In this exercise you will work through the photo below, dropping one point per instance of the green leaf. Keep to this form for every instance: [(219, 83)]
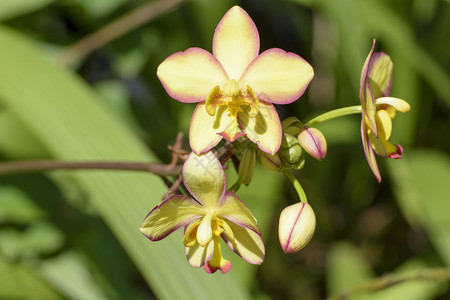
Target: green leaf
[(16, 141), (16, 207), (346, 268), (430, 171), (68, 275), (68, 118), (20, 282), (14, 8)]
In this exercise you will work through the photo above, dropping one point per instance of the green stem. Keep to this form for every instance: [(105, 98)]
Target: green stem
[(340, 112), (297, 186)]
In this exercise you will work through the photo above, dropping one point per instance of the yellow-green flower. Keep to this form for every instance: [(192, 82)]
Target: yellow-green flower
[(212, 213), (378, 109), (235, 87)]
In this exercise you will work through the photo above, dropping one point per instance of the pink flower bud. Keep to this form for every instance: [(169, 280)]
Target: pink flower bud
[(313, 141), (296, 227)]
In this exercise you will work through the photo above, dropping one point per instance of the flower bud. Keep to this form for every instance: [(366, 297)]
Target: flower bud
[(291, 125), (299, 164), (290, 151), (296, 227), (247, 165), (313, 141), (269, 161)]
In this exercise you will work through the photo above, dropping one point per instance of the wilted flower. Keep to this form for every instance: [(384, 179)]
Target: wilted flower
[(378, 109), (235, 87), (296, 227), (213, 213)]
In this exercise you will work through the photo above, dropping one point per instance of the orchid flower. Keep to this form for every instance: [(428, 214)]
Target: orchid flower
[(235, 88), (378, 109), (213, 213)]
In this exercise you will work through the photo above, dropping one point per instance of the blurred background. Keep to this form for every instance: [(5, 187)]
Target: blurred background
[(74, 234)]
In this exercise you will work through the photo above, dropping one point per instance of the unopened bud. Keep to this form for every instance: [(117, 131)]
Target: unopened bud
[(290, 151), (313, 141), (296, 227), (291, 125), (269, 161), (247, 165)]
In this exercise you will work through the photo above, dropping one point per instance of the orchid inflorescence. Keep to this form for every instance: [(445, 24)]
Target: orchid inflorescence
[(235, 89)]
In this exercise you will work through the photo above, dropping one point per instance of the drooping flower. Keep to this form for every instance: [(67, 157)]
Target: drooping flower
[(235, 88), (378, 109), (212, 214)]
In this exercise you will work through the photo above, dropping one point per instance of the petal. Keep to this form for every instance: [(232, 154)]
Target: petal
[(232, 208), (385, 149), (224, 266), (278, 76), (236, 42), (190, 76), (264, 129), (399, 104), (364, 72), (204, 178), (198, 255), (380, 74), (384, 124), (204, 231), (370, 156), (369, 109), (247, 244), (174, 212), (206, 131), (232, 132)]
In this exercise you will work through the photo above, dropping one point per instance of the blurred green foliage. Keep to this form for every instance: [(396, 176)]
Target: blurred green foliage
[(75, 234)]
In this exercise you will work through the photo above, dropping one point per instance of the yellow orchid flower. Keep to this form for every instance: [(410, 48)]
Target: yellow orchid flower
[(378, 109), (235, 87), (212, 214)]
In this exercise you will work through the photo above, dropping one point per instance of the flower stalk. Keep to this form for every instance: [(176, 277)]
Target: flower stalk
[(336, 113), (297, 185)]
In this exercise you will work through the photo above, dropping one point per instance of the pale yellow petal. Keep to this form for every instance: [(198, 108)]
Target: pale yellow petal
[(368, 150), (190, 76), (173, 213), (204, 231), (204, 178), (198, 255), (380, 74), (377, 145), (369, 109), (232, 208), (236, 42), (278, 76), (247, 244), (365, 70), (384, 124), (384, 148), (264, 129), (399, 104), (205, 131)]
